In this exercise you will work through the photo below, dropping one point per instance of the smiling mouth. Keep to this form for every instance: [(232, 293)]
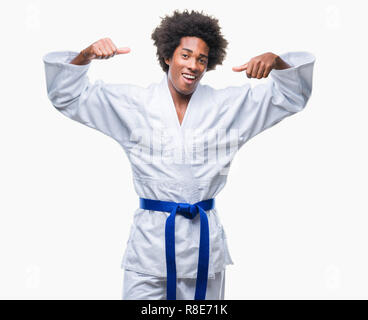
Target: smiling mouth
[(189, 77)]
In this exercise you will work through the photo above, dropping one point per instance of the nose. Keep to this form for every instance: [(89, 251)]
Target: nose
[(192, 65)]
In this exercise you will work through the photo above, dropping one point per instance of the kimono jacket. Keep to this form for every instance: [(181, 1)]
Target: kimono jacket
[(172, 162)]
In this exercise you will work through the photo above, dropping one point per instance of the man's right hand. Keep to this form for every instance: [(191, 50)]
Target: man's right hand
[(101, 49)]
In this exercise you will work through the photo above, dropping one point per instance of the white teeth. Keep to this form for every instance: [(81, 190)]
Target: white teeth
[(188, 76)]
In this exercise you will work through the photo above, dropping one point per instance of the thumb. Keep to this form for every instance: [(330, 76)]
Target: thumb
[(240, 68), (123, 50)]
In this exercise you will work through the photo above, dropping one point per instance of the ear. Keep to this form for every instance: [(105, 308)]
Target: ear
[(167, 61)]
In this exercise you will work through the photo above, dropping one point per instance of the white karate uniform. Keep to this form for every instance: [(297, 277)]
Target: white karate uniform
[(191, 161), (140, 286)]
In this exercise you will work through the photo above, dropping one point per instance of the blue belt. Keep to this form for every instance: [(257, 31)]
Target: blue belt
[(189, 211)]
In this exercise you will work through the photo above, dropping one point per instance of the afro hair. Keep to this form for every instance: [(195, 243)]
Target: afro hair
[(168, 34)]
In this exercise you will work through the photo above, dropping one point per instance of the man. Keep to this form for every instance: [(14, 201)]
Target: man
[(180, 137)]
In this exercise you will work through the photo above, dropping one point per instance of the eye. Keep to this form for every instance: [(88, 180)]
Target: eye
[(203, 61), (185, 55)]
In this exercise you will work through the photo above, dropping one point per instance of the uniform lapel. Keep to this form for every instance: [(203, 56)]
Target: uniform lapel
[(171, 106)]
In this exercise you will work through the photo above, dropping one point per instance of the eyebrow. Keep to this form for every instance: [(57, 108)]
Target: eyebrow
[(203, 55)]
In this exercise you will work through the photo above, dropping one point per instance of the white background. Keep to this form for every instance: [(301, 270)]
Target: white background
[(294, 208)]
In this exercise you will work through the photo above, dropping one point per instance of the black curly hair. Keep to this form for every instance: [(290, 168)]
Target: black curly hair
[(168, 34)]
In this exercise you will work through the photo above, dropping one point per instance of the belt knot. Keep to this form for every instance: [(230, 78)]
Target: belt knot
[(188, 210)]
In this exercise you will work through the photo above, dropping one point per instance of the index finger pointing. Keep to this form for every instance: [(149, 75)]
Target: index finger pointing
[(240, 68), (123, 50)]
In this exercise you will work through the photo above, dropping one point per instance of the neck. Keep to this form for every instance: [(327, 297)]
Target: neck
[(180, 100)]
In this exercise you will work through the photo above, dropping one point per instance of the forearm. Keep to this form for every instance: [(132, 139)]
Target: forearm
[(281, 64), (80, 59)]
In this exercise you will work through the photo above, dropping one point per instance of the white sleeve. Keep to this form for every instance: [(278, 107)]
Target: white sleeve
[(109, 108), (253, 110)]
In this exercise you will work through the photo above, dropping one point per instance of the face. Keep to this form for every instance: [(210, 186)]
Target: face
[(187, 65)]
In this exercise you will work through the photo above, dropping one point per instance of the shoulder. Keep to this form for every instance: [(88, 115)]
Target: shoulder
[(127, 90), (223, 95)]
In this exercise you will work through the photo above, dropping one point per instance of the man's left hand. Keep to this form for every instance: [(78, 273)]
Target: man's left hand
[(260, 66)]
